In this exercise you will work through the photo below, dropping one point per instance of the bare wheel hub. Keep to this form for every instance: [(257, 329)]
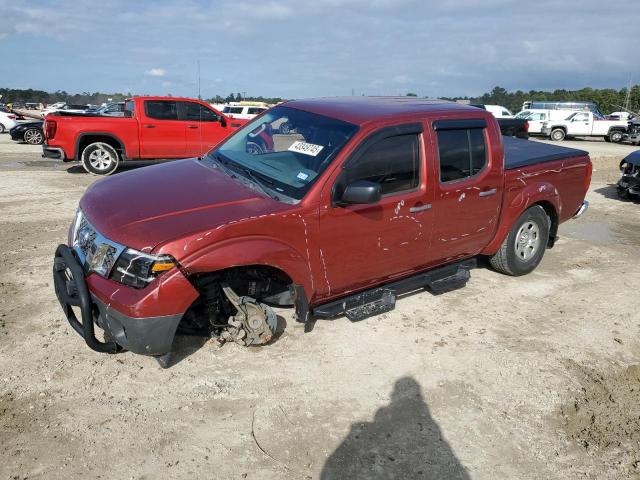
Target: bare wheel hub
[(253, 324)]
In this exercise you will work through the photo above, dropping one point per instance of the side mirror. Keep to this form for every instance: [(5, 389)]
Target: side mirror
[(361, 192), (223, 120)]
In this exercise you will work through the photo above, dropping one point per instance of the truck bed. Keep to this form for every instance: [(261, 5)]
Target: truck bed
[(521, 153)]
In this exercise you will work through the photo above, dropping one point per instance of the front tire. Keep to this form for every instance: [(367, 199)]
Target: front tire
[(557, 135), (615, 136), (33, 136), (100, 158), (524, 247), (2, 129)]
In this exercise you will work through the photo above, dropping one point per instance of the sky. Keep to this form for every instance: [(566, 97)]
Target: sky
[(297, 49)]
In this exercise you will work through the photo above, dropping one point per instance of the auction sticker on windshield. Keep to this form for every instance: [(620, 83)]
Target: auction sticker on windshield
[(306, 148)]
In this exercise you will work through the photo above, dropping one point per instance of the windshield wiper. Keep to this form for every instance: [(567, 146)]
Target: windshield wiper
[(248, 173)]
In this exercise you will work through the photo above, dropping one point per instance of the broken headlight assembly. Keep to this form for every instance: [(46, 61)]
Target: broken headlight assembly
[(138, 269)]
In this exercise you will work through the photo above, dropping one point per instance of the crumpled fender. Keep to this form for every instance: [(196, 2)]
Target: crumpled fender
[(535, 192), (253, 250)]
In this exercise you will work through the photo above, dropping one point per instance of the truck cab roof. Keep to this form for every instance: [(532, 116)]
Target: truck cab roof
[(361, 110)]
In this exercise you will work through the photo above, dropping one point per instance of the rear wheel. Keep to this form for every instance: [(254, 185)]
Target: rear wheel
[(524, 247), (557, 135), (100, 158), (615, 136), (33, 136)]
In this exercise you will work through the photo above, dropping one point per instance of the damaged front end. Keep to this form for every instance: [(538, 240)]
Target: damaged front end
[(629, 184)]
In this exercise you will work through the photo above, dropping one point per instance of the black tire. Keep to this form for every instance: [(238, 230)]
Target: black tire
[(2, 129), (100, 158), (623, 193), (254, 148), (615, 136), (509, 259), (607, 139), (557, 134), (33, 136)]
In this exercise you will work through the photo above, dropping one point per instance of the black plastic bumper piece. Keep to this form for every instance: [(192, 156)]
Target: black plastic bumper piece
[(53, 152), (71, 290), (146, 336)]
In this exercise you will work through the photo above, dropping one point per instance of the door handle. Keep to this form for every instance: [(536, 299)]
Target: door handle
[(420, 208), (192, 126), (487, 193), (149, 126)]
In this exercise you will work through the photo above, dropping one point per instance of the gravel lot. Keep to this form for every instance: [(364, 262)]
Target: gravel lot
[(519, 378)]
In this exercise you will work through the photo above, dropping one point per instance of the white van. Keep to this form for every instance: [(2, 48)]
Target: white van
[(244, 112), (497, 111)]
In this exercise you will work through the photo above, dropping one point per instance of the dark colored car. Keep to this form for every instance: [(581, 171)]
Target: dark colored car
[(629, 183), (29, 132)]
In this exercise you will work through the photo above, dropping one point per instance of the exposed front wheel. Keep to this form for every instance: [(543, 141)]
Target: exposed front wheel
[(100, 159), (522, 250), (557, 135)]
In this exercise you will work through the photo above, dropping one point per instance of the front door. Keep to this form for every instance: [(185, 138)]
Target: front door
[(203, 127), (370, 243), (580, 124), (468, 190), (161, 132)]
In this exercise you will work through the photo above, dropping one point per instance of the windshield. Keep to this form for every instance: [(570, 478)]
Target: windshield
[(285, 148), (524, 114)]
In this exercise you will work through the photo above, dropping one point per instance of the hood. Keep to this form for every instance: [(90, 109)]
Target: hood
[(633, 158), (153, 205)]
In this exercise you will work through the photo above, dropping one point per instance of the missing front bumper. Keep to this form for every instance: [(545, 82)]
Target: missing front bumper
[(147, 336)]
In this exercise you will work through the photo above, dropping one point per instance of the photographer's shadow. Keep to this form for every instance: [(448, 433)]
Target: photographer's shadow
[(403, 442)]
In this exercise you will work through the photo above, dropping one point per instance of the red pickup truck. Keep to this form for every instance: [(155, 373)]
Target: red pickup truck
[(153, 128), (356, 201)]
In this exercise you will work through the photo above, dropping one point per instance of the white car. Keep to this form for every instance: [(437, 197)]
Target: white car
[(585, 124), (244, 112), (7, 121)]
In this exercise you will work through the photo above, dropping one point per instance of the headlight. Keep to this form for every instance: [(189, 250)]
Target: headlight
[(139, 269)]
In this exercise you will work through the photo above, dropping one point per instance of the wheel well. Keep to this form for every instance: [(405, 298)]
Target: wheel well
[(89, 139), (211, 310), (559, 127), (553, 218)]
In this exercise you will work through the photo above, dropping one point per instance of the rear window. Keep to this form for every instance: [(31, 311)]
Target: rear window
[(161, 109), (462, 153)]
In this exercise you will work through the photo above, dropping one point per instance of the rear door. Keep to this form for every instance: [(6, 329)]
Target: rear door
[(468, 189), (162, 134), (203, 127)]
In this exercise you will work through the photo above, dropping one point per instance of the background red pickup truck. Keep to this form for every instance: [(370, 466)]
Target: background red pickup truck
[(356, 201), (153, 128)]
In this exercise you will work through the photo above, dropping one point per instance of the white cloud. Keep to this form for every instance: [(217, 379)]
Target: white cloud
[(156, 72)]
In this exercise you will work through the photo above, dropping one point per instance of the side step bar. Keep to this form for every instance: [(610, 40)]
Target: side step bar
[(383, 299)]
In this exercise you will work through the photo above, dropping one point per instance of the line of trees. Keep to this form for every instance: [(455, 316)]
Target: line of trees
[(30, 95), (608, 99)]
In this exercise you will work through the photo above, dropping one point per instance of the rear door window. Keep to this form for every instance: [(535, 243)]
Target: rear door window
[(462, 153), (161, 109), (195, 112)]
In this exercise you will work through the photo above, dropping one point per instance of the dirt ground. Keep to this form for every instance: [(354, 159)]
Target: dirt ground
[(517, 378)]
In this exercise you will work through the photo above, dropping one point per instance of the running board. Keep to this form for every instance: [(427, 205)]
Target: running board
[(383, 299)]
